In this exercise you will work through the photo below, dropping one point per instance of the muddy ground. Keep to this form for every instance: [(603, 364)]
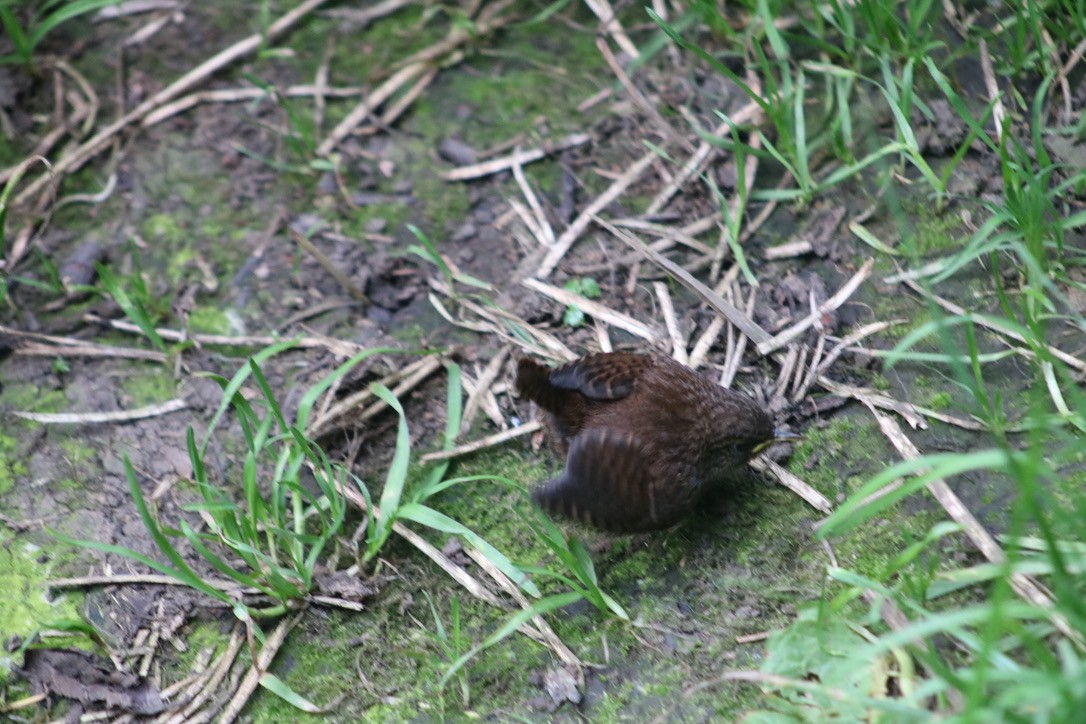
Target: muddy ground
[(199, 206)]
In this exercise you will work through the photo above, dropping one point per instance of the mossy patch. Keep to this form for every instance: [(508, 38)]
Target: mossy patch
[(79, 457), (24, 605), (513, 90), (200, 636), (940, 401), (393, 653), (209, 320), (148, 388), (30, 398), (379, 47), (495, 509), (840, 458), (162, 227), (10, 468), (692, 590), (932, 232)]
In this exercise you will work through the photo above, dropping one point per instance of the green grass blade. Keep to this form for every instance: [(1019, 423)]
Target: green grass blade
[(189, 579), (454, 405), (450, 482), (218, 563), (183, 571), (960, 108), (858, 509), (277, 686), (269, 396), (24, 48), (234, 386), (672, 33), (305, 405), (397, 469), (431, 518), (133, 308), (510, 627), (66, 11)]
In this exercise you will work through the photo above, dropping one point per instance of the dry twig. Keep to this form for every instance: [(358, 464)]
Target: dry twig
[(793, 482), (571, 234), (699, 158), (201, 694), (490, 441), (94, 418), (667, 309), (519, 157), (445, 52), (595, 309), (338, 347), (237, 95), (990, 85), (483, 385), (742, 322), (272, 643), (337, 415), (610, 24), (344, 281), (832, 304)]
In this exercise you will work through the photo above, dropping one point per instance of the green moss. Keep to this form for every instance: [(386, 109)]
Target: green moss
[(408, 333), (76, 451), (178, 263), (398, 661), (79, 456), (199, 636), (394, 214), (641, 564), (940, 401), (490, 508), (144, 388), (855, 444), (380, 46), (514, 89), (756, 555), (69, 485), (30, 398), (209, 320), (898, 306), (24, 605), (10, 467), (213, 229), (90, 180), (937, 233), (444, 204), (610, 707), (163, 227)]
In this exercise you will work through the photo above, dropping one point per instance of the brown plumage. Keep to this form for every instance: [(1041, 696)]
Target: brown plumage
[(643, 437)]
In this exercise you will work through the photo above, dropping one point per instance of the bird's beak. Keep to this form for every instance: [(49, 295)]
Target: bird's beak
[(778, 436)]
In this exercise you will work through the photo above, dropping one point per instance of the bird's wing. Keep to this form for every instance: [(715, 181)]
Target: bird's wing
[(607, 483), (604, 376)]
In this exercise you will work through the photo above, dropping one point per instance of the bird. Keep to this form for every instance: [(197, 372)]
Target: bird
[(643, 437)]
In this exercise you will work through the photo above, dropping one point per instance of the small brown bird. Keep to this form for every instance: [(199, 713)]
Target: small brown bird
[(643, 437)]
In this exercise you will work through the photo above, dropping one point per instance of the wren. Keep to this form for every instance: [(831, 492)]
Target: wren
[(643, 436)]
